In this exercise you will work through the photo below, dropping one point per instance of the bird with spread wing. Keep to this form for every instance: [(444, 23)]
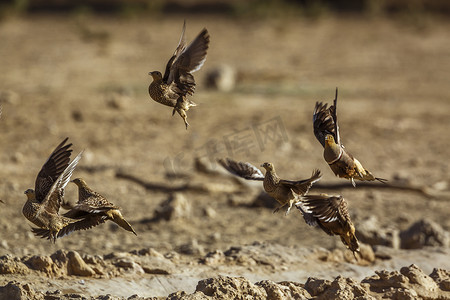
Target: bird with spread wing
[(330, 213), (341, 162), (286, 192), (43, 203), (91, 203), (178, 82)]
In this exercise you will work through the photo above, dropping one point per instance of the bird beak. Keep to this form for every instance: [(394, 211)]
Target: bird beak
[(262, 165), (149, 73)]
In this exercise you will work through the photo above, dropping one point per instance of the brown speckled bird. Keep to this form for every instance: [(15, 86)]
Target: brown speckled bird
[(178, 82), (43, 203), (341, 162), (91, 203), (330, 213), (286, 192)]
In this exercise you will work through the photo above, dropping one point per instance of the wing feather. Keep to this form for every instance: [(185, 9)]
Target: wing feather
[(53, 167), (242, 169), (325, 121), (54, 197), (302, 187)]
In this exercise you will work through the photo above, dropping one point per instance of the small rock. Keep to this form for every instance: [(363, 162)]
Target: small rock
[(175, 207), (191, 248), (369, 231), (41, 263), (216, 257), (221, 78), (119, 101), (366, 252), (224, 287), (316, 286), (424, 233), (8, 265), (442, 278), (77, 266), (77, 115), (209, 212)]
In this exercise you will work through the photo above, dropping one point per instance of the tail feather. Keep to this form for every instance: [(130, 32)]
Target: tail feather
[(117, 218)]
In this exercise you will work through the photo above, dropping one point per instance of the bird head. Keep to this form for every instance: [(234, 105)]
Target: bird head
[(79, 182), (30, 193), (329, 140), (268, 166), (156, 75)]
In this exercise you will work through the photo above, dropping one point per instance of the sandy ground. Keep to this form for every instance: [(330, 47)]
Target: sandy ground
[(86, 78)]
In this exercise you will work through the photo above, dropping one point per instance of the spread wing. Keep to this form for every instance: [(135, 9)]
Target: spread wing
[(325, 121), (191, 59), (326, 208), (181, 46), (84, 224), (54, 197), (52, 169), (242, 169), (302, 187)]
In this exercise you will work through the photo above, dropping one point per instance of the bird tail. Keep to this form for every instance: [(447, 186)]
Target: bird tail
[(116, 217)]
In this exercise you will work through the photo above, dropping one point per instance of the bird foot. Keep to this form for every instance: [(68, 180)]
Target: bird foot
[(288, 210)]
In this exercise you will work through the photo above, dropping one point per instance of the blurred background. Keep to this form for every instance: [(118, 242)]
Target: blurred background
[(79, 69)]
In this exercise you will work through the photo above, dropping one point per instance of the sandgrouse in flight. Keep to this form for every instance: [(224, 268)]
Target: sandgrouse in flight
[(178, 82), (341, 162), (43, 203), (286, 192), (330, 213), (91, 203)]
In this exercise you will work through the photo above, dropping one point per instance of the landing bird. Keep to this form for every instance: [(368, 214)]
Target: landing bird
[(286, 192), (330, 213), (91, 203), (43, 203), (178, 82), (341, 162)]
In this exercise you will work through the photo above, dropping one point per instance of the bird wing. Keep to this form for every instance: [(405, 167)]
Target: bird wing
[(325, 121), (52, 169), (242, 169), (55, 195), (191, 59), (181, 46), (326, 208), (302, 187), (84, 224)]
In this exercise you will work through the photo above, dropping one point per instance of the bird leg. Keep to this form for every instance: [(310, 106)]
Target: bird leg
[(182, 113), (291, 202)]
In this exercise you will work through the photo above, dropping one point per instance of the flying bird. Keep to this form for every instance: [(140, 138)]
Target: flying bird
[(341, 162), (178, 82), (330, 213), (93, 205), (286, 192), (43, 203)]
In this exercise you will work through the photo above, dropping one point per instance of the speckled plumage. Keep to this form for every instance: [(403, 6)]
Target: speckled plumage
[(341, 162), (178, 82), (330, 213), (286, 192), (91, 204), (43, 203)]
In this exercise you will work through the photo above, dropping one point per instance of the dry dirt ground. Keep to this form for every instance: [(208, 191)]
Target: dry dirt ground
[(86, 78)]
